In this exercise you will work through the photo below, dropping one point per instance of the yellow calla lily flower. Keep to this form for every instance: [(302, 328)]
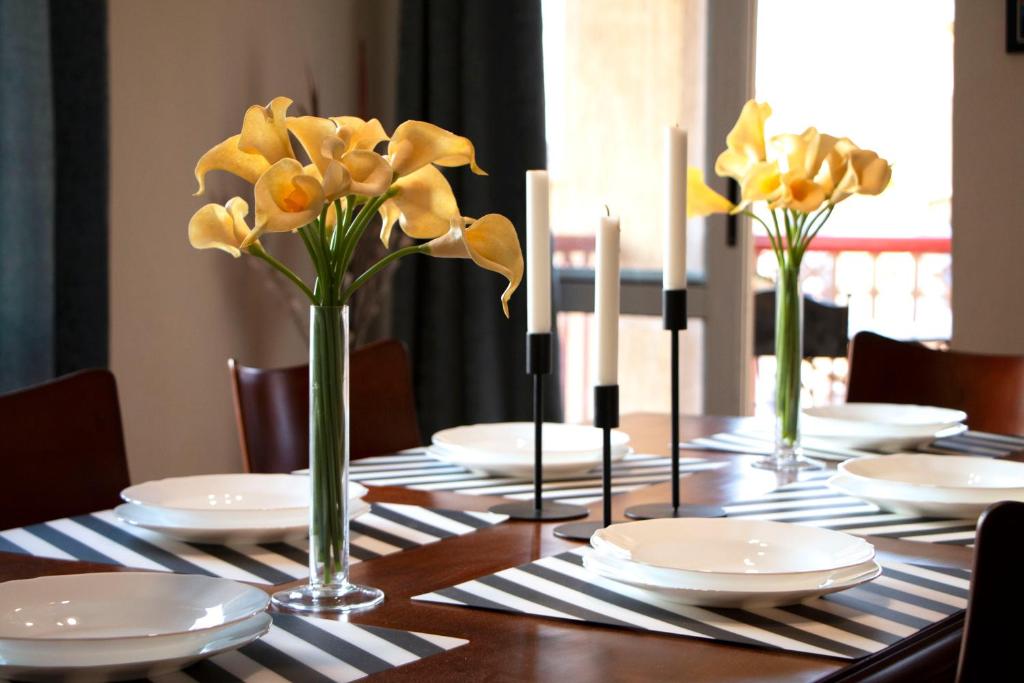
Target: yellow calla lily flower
[(799, 193), (313, 132), (287, 198), (220, 227), (804, 153), (833, 169), (745, 142), (263, 141), (359, 134), (491, 242), (227, 157), (701, 200), (867, 173), (424, 204), (762, 181), (265, 131), (417, 143)]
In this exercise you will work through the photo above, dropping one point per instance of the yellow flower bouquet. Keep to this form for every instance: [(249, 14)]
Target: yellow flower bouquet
[(329, 198), (800, 178)]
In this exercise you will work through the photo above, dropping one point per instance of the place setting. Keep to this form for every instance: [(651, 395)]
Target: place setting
[(246, 527), (81, 627)]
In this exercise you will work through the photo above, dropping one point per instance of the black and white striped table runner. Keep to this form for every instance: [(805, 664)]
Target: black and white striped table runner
[(320, 650), (813, 503), (100, 537), (416, 469), (983, 444), (850, 624)]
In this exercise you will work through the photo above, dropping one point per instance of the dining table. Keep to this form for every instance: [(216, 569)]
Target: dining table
[(518, 647)]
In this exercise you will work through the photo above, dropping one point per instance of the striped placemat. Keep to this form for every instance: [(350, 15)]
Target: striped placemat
[(416, 469), (100, 537), (759, 442), (850, 624), (813, 503), (300, 648)]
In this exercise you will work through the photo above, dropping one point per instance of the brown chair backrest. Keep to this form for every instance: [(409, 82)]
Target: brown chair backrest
[(989, 648), (272, 408), (990, 389), (61, 449)]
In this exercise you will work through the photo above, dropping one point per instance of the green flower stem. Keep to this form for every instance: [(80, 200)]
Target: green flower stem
[(788, 356), (258, 251), (379, 266), (360, 224)]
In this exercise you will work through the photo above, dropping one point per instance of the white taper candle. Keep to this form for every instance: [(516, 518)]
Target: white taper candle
[(538, 254), (674, 276), (606, 301)]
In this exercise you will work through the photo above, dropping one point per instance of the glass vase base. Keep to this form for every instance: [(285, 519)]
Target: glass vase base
[(328, 599), (785, 462)]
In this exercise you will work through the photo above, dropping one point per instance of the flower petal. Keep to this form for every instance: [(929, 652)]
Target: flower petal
[(337, 181), (311, 131), (805, 152), (701, 200), (491, 242), (762, 181), (228, 157), (287, 198), (745, 142), (217, 227), (417, 143), (371, 173), (265, 130), (799, 193), (389, 214), (426, 203), (361, 134)]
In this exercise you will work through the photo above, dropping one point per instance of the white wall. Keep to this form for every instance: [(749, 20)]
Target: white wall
[(988, 183), (181, 75)]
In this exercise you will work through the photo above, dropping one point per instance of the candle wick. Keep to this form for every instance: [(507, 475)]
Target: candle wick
[(607, 211)]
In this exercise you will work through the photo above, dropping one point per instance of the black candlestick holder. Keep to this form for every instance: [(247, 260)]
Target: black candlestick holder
[(606, 417), (538, 364), (673, 306)]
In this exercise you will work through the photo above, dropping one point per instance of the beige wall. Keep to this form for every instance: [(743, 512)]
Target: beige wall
[(988, 183), (181, 75)]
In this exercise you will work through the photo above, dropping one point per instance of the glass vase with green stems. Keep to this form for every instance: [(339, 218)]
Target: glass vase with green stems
[(331, 250), (790, 234)]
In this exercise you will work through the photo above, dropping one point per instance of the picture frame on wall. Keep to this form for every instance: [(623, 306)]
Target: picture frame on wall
[(1015, 25)]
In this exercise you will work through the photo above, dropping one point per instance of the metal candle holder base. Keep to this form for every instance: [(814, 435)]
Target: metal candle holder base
[(673, 307), (538, 364), (606, 417)]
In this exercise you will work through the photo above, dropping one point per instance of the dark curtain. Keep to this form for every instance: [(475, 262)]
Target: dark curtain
[(474, 68), (54, 185)]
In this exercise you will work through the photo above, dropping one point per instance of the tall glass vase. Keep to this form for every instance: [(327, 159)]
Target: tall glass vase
[(789, 328), (329, 589)]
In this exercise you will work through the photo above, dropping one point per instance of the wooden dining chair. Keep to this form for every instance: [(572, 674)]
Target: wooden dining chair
[(272, 408), (61, 449), (991, 636), (990, 389)]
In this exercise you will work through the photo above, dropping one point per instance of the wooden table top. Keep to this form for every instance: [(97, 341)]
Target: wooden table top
[(523, 648)]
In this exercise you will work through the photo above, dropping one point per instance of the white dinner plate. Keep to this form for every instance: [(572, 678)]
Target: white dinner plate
[(740, 550), (515, 439), (901, 503), (563, 465), (749, 597), (52, 625), (228, 499), (225, 531), (127, 660), (946, 475), (884, 427)]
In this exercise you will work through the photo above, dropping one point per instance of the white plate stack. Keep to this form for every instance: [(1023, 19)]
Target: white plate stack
[(952, 486), (884, 427), (122, 625), (506, 449), (227, 508), (730, 562)]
